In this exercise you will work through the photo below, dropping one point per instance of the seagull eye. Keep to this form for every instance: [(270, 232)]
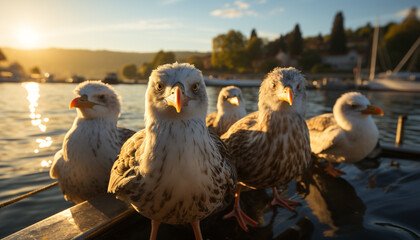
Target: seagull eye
[(195, 87), (159, 87), (101, 97), (273, 85), (353, 106)]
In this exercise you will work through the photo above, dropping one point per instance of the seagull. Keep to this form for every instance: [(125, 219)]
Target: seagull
[(270, 147), (348, 134), (91, 146), (175, 170), (230, 108)]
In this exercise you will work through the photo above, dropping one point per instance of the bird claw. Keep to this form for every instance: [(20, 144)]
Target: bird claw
[(333, 171), (242, 218), (285, 203)]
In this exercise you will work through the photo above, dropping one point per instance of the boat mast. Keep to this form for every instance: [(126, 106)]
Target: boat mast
[(374, 51), (407, 56)]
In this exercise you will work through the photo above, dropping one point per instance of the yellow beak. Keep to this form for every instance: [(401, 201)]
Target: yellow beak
[(81, 102), (234, 101), (373, 110), (175, 99), (287, 95)]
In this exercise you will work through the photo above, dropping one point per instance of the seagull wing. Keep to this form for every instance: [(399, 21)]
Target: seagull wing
[(125, 134), (57, 162), (210, 119), (123, 169), (231, 177), (324, 132)]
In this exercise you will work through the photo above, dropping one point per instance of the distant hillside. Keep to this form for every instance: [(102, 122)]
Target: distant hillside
[(64, 63)]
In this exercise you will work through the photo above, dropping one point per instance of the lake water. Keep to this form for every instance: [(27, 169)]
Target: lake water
[(374, 201)]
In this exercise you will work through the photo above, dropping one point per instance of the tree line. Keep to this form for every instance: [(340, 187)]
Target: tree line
[(233, 52)]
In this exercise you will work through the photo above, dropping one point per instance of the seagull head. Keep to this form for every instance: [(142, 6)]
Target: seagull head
[(283, 89), (176, 91), (230, 98), (96, 100), (353, 106)]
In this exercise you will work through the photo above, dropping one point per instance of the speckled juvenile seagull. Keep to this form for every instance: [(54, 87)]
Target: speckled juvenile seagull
[(270, 147), (230, 108), (175, 170), (91, 146), (348, 134)]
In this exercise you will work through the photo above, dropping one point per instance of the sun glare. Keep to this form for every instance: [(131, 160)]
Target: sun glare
[(27, 38)]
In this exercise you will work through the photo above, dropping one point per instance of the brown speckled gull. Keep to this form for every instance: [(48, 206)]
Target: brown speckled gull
[(270, 147), (175, 170), (230, 108), (91, 146), (348, 134)]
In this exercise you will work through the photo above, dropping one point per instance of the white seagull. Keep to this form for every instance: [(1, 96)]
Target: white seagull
[(348, 134), (91, 146), (230, 108), (175, 170), (270, 147)]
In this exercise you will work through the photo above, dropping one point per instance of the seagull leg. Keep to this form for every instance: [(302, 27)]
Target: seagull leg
[(155, 227), (197, 231), (333, 171), (240, 216), (286, 203)]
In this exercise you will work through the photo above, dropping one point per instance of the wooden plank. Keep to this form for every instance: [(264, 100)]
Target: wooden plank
[(78, 222)]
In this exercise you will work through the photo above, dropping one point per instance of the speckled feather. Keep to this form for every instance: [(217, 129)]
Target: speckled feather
[(270, 147), (90, 148), (345, 135), (175, 170), (227, 114)]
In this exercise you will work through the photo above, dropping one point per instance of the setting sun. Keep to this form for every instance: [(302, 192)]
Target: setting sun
[(27, 38)]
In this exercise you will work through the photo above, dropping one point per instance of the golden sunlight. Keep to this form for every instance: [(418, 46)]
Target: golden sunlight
[(27, 37)]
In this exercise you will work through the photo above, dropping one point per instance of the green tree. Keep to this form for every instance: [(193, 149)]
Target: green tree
[(400, 37), (35, 70), (253, 33), (229, 51), (254, 48), (129, 71), (272, 48), (145, 70), (309, 59), (197, 61), (163, 58), (159, 59), (295, 41), (2, 56), (338, 40)]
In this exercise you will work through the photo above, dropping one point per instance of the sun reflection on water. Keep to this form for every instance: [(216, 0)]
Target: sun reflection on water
[(33, 95)]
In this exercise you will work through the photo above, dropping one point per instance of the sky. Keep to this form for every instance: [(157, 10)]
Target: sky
[(177, 25)]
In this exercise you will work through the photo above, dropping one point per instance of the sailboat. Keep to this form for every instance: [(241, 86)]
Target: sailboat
[(394, 80)]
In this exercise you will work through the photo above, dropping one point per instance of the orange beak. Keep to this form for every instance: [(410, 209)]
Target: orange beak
[(175, 99), (373, 110), (234, 101), (81, 102), (287, 95)]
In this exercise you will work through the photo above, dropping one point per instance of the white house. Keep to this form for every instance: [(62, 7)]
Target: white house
[(342, 62)]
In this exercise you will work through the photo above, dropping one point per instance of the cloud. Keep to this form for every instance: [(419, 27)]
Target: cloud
[(169, 2), (276, 11), (404, 13), (242, 5), (262, 1), (139, 25), (269, 35), (241, 9), (227, 13)]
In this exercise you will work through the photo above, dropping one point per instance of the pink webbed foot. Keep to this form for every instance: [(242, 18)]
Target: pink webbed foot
[(333, 171), (285, 203), (240, 216)]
